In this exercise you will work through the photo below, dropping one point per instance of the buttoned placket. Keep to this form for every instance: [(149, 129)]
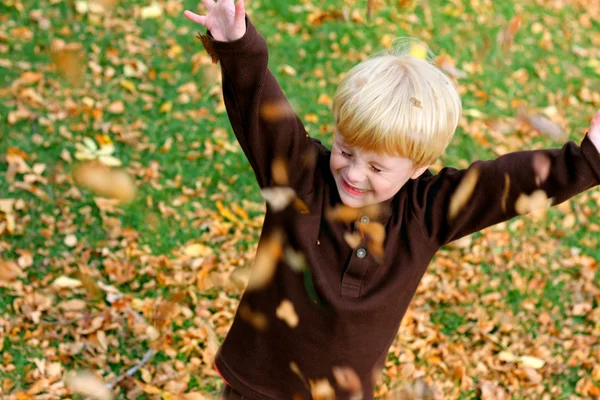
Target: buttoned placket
[(358, 265)]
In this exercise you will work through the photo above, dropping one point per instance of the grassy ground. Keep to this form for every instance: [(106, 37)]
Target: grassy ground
[(526, 288)]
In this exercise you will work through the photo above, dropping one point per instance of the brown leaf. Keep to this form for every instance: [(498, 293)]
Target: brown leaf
[(463, 192), (301, 206), (347, 379), (506, 191), (280, 172), (267, 257), (374, 232), (105, 181)]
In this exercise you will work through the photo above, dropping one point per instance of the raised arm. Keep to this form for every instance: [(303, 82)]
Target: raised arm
[(496, 187), (260, 115)]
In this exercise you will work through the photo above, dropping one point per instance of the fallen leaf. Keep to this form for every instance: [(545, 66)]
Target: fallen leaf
[(87, 384), (154, 10), (532, 362), (66, 282), (70, 240), (117, 107), (9, 271), (287, 313), (197, 250), (463, 192)]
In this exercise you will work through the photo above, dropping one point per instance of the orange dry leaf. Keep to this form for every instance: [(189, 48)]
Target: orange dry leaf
[(301, 206), (287, 313), (342, 213), (87, 384), (463, 192), (280, 172), (9, 271), (267, 257), (275, 111), (348, 379), (374, 232)]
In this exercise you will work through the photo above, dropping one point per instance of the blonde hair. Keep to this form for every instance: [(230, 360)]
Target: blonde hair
[(398, 104)]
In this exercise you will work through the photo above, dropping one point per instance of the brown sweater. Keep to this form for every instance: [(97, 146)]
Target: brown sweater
[(350, 312)]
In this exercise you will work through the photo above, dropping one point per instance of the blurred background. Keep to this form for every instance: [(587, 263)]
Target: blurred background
[(129, 215)]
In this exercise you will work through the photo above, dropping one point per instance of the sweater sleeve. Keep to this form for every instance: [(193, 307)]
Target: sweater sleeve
[(498, 184), (260, 115)]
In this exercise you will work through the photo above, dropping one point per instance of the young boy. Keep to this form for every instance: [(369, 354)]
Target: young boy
[(331, 328)]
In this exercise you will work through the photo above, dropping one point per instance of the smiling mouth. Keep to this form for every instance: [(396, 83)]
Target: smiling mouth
[(351, 189)]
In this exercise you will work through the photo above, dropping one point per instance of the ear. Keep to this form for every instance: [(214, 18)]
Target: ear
[(419, 171)]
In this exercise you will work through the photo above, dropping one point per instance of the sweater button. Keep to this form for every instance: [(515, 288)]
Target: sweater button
[(364, 219), (361, 253)]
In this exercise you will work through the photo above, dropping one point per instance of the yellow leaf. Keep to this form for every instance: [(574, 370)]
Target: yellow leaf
[(463, 192), (152, 11), (66, 282), (166, 107), (287, 70), (532, 362), (128, 85), (419, 51), (267, 256), (278, 198), (197, 250)]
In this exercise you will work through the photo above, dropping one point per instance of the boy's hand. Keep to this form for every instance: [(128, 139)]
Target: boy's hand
[(594, 131), (225, 21)]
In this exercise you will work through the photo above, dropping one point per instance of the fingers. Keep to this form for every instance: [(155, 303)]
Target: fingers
[(240, 13), (199, 19), (209, 4)]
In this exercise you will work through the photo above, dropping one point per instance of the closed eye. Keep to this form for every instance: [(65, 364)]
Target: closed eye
[(347, 155), (375, 169)]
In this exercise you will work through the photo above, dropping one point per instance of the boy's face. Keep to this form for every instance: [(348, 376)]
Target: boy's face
[(364, 178)]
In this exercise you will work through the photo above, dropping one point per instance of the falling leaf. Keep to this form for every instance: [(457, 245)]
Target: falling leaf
[(255, 318), (301, 206), (279, 172), (541, 166), (506, 191), (278, 198), (374, 232), (419, 51), (274, 111), (347, 379), (416, 102), (87, 384), (105, 181), (267, 257), (287, 313), (240, 277), (321, 389), (353, 239), (295, 259), (541, 124), (69, 61), (154, 10), (66, 282), (536, 201), (463, 192)]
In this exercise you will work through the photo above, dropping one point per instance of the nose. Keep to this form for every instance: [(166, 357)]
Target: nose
[(355, 174)]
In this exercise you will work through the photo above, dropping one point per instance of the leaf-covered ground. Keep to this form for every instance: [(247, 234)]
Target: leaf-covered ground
[(140, 292)]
